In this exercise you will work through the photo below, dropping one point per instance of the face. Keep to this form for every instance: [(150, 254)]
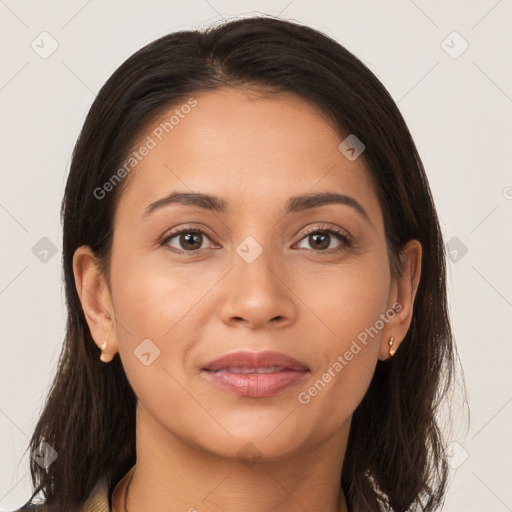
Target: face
[(260, 272)]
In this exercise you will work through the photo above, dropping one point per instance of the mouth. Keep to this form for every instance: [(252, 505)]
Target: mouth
[(240, 369), (255, 374)]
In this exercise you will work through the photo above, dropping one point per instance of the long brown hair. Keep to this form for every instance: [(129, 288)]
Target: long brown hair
[(396, 456)]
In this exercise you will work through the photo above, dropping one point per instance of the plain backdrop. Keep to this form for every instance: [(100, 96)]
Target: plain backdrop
[(446, 64)]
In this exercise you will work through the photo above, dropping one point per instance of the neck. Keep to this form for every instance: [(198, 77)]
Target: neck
[(172, 474)]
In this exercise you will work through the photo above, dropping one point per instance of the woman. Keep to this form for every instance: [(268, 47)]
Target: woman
[(255, 282)]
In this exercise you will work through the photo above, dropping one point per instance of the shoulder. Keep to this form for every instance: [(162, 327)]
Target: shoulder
[(97, 501), (32, 508)]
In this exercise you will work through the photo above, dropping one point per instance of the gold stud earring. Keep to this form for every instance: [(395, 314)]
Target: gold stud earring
[(391, 349), (104, 357)]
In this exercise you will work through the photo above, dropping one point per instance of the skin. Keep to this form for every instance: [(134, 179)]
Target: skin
[(250, 151)]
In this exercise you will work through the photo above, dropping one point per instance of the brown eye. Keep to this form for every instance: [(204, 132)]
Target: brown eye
[(320, 240), (186, 240), (190, 240)]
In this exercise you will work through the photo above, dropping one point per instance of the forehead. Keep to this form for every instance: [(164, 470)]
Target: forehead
[(244, 146)]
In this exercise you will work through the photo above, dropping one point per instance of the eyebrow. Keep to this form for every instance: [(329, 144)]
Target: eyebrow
[(294, 204)]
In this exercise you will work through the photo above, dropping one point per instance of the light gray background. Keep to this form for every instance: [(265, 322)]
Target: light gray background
[(458, 110)]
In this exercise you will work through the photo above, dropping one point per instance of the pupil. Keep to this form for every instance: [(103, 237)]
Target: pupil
[(323, 245), (190, 238)]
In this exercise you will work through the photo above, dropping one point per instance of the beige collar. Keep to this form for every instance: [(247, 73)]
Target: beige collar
[(97, 501)]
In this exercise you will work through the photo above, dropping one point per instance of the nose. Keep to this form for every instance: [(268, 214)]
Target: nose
[(258, 293)]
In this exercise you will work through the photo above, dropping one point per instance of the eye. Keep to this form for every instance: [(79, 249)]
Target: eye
[(191, 240), (320, 239), (187, 239)]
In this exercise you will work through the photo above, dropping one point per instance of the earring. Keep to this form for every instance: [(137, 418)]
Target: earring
[(391, 349), (104, 357)]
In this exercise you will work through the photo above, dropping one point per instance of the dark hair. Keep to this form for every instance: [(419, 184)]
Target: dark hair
[(395, 455)]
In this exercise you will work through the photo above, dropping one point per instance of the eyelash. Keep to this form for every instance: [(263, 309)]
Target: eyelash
[(341, 235)]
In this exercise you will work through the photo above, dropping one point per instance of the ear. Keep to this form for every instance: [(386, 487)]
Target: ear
[(96, 300), (401, 298)]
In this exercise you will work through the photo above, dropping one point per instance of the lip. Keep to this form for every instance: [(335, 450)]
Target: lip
[(253, 360), (226, 373)]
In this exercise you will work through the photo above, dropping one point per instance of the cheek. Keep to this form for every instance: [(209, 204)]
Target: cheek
[(346, 299), (164, 304), (336, 390), (155, 309), (151, 297), (349, 303)]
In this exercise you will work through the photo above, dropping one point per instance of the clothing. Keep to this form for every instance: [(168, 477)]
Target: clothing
[(99, 500)]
